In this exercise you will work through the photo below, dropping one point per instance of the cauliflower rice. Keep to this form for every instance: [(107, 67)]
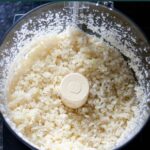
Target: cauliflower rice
[(35, 103)]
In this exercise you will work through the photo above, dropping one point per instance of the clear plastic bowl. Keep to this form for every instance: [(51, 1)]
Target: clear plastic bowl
[(111, 25)]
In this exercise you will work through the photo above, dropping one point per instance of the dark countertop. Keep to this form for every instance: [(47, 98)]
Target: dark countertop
[(138, 12), (8, 11)]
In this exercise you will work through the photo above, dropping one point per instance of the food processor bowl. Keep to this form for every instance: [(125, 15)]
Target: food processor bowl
[(95, 19)]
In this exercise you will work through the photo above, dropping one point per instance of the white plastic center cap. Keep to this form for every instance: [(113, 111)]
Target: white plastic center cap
[(74, 87), (74, 90)]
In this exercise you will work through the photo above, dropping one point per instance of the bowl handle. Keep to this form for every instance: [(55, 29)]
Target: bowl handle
[(16, 17)]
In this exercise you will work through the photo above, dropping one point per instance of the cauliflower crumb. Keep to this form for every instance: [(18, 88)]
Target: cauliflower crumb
[(35, 104)]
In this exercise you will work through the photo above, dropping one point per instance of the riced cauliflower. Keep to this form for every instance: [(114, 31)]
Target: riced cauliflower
[(36, 107)]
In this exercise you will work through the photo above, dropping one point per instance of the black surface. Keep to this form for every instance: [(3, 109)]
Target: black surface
[(10, 142), (139, 12)]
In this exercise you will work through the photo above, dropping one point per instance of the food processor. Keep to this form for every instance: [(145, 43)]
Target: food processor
[(93, 18)]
